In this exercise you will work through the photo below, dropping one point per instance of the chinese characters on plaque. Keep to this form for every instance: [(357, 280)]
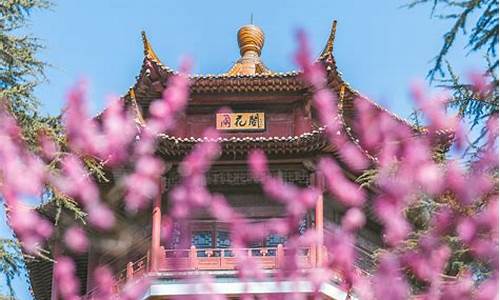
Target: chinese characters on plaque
[(240, 121)]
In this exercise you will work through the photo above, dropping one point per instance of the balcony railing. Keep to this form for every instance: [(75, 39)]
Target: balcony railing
[(218, 259), (227, 258), (172, 262)]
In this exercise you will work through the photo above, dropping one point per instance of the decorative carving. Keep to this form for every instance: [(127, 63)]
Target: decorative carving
[(240, 177)]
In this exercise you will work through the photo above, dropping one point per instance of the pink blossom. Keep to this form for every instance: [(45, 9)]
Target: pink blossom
[(353, 220), (488, 289), (429, 263), (49, 147), (460, 289), (406, 172), (443, 221), (433, 108), (345, 191), (101, 216), (118, 130), (76, 239), (30, 227), (164, 111), (389, 272), (66, 281), (143, 185), (480, 84), (313, 72), (220, 208), (430, 177), (396, 228), (105, 283), (341, 254), (466, 230), (257, 161)]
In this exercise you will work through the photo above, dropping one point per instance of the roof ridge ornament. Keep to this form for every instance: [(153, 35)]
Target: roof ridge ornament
[(250, 41), (328, 50), (135, 107), (148, 49)]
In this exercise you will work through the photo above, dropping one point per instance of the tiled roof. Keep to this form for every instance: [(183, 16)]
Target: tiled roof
[(304, 143)]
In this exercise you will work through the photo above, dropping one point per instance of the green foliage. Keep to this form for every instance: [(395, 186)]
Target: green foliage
[(11, 262), (367, 178), (20, 69), (474, 108), (477, 20), (20, 72), (482, 35)]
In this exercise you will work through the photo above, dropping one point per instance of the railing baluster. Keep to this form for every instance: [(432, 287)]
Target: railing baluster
[(280, 253), (193, 258), (130, 271), (221, 258)]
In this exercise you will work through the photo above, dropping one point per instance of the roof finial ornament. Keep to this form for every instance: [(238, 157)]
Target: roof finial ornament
[(251, 18), (251, 42), (148, 50), (328, 51)]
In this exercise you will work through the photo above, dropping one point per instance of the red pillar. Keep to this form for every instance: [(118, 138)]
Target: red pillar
[(155, 230), (318, 212)]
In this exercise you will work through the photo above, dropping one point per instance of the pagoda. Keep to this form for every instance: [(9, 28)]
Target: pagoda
[(271, 111)]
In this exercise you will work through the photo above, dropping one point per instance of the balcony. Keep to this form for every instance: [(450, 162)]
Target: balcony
[(217, 259), (172, 263)]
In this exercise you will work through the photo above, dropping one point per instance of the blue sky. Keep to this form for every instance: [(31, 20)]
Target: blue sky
[(380, 48)]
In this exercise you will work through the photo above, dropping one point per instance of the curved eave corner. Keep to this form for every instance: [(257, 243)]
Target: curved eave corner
[(347, 95), (153, 73)]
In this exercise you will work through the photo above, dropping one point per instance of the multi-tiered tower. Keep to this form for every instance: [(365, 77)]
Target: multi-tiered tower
[(271, 111)]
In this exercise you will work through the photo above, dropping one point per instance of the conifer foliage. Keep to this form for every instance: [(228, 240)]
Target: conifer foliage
[(477, 21)]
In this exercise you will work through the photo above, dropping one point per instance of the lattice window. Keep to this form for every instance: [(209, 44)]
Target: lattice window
[(202, 239), (223, 239)]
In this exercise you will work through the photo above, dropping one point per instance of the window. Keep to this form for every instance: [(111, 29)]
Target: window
[(215, 235)]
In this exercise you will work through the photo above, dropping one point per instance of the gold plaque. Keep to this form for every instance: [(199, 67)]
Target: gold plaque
[(241, 121)]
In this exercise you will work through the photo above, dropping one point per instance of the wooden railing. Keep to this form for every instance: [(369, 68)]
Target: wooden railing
[(173, 261), (228, 258)]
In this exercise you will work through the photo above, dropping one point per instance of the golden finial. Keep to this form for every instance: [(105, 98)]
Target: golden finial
[(250, 40), (328, 51), (148, 50)]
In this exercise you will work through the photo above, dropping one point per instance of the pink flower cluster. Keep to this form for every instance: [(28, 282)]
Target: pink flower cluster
[(406, 173), (21, 178), (109, 139), (68, 285), (143, 184), (75, 181)]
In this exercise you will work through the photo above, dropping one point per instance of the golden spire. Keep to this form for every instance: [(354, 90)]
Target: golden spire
[(250, 39), (148, 50), (328, 51), (251, 42)]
